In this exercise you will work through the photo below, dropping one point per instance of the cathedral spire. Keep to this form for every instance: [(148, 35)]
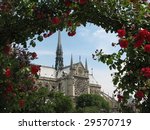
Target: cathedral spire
[(59, 54), (79, 58), (86, 66), (71, 62)]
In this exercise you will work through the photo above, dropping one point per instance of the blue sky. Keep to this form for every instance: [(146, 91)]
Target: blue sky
[(84, 44)]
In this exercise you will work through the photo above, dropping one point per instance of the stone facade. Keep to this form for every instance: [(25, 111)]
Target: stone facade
[(72, 81)]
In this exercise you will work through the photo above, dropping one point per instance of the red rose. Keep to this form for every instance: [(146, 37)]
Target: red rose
[(146, 72), (71, 33), (138, 43), (139, 94), (9, 89), (142, 33), (34, 55), (121, 33), (8, 72), (147, 48), (34, 69), (55, 20), (21, 103), (82, 2), (148, 37), (123, 43), (143, 69)]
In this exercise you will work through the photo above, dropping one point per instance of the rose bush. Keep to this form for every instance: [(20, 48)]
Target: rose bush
[(16, 78), (132, 61)]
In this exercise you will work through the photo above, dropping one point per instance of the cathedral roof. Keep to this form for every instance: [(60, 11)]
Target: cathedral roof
[(50, 72), (47, 72), (92, 80), (64, 71)]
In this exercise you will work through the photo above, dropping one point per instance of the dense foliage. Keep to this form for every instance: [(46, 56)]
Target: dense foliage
[(17, 77), (132, 61), (43, 101), (91, 103)]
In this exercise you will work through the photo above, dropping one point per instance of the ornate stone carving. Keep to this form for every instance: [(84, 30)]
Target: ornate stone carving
[(81, 86)]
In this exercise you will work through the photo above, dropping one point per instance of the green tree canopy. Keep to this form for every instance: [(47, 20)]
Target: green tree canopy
[(91, 103)]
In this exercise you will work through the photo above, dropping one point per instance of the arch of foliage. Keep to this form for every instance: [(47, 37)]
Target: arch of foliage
[(28, 20)]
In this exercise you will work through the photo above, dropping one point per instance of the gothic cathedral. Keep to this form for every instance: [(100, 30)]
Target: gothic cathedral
[(72, 80)]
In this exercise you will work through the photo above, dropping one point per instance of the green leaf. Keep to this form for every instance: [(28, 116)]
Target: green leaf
[(40, 38), (109, 61), (32, 43), (115, 80)]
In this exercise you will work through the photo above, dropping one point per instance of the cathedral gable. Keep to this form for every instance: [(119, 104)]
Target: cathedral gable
[(79, 69)]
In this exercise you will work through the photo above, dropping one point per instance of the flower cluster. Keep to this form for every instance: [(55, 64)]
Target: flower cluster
[(142, 36), (121, 33), (122, 41), (147, 48), (146, 72), (35, 69), (71, 7), (17, 77), (56, 20)]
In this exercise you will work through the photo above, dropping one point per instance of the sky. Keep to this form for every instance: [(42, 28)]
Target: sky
[(84, 44)]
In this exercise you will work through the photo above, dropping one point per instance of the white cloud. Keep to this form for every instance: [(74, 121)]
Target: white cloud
[(100, 39)]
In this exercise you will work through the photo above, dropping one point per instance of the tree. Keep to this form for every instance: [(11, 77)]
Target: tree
[(91, 103), (44, 101), (61, 103)]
